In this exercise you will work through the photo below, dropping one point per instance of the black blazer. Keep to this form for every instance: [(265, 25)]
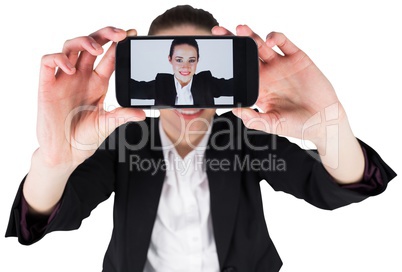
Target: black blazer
[(241, 236), (203, 89)]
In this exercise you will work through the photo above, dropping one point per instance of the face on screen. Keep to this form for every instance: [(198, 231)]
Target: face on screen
[(157, 80), (184, 63)]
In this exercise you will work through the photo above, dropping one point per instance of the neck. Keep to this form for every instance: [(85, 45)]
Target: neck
[(182, 83), (187, 139)]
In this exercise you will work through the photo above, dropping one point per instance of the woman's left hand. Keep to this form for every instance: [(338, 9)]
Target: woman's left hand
[(295, 97), (297, 100)]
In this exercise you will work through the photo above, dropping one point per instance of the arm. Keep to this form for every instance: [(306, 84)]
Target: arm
[(222, 86), (71, 121), (90, 183), (217, 86), (297, 100), (142, 89), (300, 173)]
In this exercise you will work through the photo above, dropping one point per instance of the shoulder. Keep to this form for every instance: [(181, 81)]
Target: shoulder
[(163, 76), (227, 127), (232, 128), (204, 74), (228, 116)]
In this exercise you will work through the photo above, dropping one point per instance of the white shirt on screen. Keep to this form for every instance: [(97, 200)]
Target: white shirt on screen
[(183, 94), (182, 238)]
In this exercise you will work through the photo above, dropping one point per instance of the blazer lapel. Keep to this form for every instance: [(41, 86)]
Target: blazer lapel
[(165, 90), (224, 187), (145, 189), (170, 91), (196, 92)]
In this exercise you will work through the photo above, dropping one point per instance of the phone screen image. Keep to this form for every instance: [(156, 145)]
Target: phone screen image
[(185, 72), (181, 71)]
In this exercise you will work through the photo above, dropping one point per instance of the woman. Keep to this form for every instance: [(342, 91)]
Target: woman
[(184, 87), (208, 215)]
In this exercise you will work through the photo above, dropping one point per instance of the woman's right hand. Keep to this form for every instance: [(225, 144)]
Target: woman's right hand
[(71, 120)]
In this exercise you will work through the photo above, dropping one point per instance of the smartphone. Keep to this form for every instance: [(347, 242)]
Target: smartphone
[(187, 72)]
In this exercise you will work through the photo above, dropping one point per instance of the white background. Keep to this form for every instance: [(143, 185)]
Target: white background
[(357, 44)]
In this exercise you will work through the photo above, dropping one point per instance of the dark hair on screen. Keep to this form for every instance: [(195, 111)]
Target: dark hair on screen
[(183, 15), (190, 41)]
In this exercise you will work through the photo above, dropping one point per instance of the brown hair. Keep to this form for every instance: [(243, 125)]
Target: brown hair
[(189, 41), (183, 15)]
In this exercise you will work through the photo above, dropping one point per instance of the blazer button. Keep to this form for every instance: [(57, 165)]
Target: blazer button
[(229, 269)]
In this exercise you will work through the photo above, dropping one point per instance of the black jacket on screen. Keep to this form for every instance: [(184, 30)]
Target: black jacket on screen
[(203, 89)]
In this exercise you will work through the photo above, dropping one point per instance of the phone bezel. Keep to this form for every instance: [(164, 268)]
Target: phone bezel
[(245, 71)]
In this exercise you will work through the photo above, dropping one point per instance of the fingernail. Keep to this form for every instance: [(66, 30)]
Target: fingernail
[(115, 29), (96, 46), (70, 66)]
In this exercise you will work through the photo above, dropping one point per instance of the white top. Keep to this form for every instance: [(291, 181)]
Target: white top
[(182, 238), (183, 94)]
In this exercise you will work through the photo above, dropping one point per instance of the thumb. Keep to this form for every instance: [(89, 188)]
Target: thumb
[(246, 114), (254, 120), (118, 117)]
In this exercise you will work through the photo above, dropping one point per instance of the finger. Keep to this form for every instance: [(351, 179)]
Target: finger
[(283, 43), (127, 114), (109, 33), (131, 32), (253, 119), (221, 31), (73, 47), (50, 63), (106, 65), (265, 52), (86, 59), (119, 117)]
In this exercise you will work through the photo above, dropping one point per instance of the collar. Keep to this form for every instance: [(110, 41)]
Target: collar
[(179, 87), (168, 146)]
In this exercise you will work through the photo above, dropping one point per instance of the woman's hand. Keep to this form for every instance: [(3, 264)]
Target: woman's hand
[(71, 120), (293, 92), (297, 100)]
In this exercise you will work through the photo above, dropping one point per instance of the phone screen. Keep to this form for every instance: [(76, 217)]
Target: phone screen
[(185, 71)]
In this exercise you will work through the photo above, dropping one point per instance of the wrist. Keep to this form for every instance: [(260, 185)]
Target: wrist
[(339, 150), (51, 160), (332, 123), (41, 162), (45, 182)]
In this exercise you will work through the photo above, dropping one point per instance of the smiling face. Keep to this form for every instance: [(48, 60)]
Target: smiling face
[(184, 63), (180, 122)]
